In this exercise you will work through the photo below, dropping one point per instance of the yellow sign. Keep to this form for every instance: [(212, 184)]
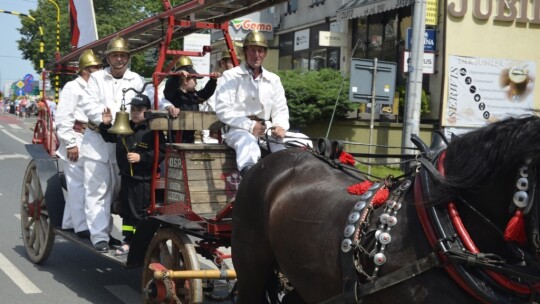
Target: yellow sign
[(20, 84), (432, 12)]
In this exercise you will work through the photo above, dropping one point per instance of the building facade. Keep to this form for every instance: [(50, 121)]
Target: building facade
[(481, 57)]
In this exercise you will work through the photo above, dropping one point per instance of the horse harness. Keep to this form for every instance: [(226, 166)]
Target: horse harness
[(448, 238), (485, 276), (357, 282)]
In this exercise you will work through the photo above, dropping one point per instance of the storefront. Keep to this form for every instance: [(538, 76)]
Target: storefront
[(491, 62), (301, 49)]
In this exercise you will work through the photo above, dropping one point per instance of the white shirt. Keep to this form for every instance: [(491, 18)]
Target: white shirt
[(239, 96), (66, 114), (103, 90)]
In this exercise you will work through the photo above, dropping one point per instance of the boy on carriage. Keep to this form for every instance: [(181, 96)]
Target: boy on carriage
[(135, 156)]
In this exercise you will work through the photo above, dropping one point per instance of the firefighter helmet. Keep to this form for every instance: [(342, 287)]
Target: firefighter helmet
[(255, 38), (117, 44), (225, 52), (183, 61), (88, 58)]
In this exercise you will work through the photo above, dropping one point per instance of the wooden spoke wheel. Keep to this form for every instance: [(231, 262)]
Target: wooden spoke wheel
[(37, 231), (173, 250)]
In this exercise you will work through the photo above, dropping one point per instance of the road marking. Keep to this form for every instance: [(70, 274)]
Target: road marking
[(15, 137), (14, 126), (17, 277), (125, 293), (16, 155)]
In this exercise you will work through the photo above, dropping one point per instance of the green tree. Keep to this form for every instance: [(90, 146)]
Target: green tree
[(311, 95), (111, 17)]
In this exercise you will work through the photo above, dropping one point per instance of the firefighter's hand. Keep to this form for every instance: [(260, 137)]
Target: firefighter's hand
[(278, 132), (73, 154), (215, 75), (133, 157), (259, 129), (106, 116), (173, 111), (183, 74)]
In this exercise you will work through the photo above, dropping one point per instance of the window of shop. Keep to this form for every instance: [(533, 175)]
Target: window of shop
[(286, 50), (313, 57)]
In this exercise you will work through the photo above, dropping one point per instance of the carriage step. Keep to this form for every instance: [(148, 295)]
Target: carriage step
[(181, 222), (70, 236)]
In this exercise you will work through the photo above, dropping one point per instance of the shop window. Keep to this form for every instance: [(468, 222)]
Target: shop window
[(333, 59), (316, 3), (318, 60), (285, 63), (292, 6), (301, 61)]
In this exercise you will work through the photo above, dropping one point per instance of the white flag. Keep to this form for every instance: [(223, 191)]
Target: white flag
[(83, 22)]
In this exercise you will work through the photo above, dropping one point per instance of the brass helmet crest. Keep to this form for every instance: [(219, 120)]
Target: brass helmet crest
[(183, 61), (255, 38), (225, 52), (117, 44), (88, 58)]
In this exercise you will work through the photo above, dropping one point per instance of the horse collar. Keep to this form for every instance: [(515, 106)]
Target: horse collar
[(356, 228)]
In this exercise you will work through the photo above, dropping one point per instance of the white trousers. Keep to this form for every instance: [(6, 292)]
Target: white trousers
[(102, 184), (74, 215), (248, 147)]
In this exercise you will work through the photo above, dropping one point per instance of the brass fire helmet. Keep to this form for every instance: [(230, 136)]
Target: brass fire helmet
[(183, 61), (255, 38), (88, 58), (225, 52), (118, 44)]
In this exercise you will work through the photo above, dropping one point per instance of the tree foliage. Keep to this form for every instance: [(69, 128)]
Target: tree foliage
[(111, 16), (312, 95)]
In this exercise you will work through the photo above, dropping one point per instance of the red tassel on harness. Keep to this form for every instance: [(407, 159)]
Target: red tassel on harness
[(380, 197), (360, 188), (515, 229), (346, 158)]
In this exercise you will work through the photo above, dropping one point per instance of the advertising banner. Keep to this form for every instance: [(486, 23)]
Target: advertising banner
[(484, 90)]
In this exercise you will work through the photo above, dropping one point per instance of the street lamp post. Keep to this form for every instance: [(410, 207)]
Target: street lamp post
[(57, 53)]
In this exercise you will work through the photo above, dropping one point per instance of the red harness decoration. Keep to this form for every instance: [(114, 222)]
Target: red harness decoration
[(361, 188), (467, 242)]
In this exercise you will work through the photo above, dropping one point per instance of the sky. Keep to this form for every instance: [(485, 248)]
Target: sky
[(12, 66)]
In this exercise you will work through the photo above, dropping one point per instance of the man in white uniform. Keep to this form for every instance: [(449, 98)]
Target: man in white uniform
[(250, 99), (71, 124), (101, 174)]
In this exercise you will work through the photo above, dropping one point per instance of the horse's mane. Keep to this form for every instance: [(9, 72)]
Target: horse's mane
[(477, 158)]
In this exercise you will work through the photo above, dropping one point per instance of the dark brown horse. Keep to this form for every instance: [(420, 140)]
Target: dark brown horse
[(292, 208)]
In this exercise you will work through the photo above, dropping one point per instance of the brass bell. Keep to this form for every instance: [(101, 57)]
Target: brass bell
[(121, 123)]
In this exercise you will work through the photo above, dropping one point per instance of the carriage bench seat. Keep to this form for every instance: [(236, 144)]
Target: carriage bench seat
[(202, 176)]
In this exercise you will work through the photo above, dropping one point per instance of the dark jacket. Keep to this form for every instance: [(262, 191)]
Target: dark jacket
[(141, 142), (187, 101)]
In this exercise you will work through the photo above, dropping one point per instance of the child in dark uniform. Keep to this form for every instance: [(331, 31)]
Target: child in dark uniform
[(135, 157)]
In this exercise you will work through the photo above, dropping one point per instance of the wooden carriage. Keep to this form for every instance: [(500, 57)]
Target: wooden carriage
[(191, 201)]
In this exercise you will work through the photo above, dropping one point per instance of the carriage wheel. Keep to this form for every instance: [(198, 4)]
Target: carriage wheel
[(175, 251), (37, 231)]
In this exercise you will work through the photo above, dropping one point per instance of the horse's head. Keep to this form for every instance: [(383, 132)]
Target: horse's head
[(496, 170)]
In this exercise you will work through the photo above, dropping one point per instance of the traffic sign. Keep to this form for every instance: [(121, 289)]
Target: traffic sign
[(28, 87), (20, 84), (28, 78), (19, 92)]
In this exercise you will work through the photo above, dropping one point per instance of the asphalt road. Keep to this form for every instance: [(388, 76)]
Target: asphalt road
[(71, 274)]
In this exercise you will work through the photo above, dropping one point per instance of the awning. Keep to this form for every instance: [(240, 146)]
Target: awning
[(361, 8)]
